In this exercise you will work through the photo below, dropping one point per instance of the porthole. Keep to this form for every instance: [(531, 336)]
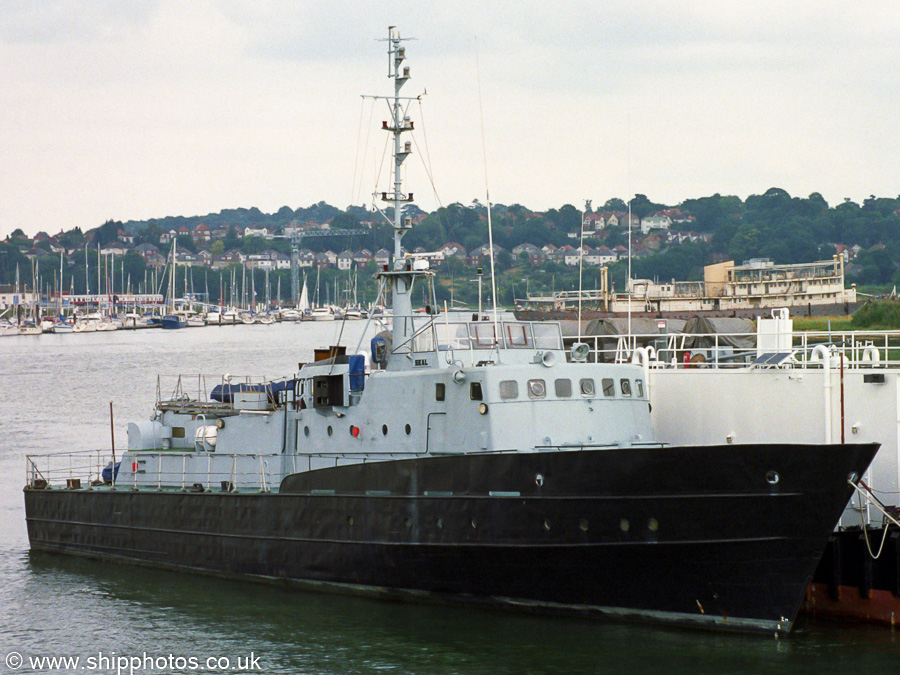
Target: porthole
[(306, 431), (539, 479), (624, 525), (440, 523), (408, 523), (537, 388), (772, 477), (330, 430), (384, 429), (853, 477), (350, 521), (583, 525), (408, 429), (473, 523), (653, 525), (546, 525), (587, 387)]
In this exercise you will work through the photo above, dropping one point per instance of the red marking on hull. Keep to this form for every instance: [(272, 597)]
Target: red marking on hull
[(879, 607)]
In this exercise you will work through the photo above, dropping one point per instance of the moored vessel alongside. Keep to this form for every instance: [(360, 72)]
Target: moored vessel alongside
[(465, 461)]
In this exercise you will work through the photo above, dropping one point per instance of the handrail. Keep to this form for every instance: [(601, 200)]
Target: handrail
[(860, 349)]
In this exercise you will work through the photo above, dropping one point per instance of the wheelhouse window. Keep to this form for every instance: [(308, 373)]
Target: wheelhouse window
[(639, 388), (423, 340), (563, 388), (509, 389), (547, 336), (609, 387), (517, 335), (475, 391), (440, 391), (483, 335), (626, 386)]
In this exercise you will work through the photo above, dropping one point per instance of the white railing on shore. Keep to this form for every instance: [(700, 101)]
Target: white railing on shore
[(859, 349)]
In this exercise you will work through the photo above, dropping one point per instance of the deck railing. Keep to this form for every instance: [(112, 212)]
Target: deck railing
[(858, 349)]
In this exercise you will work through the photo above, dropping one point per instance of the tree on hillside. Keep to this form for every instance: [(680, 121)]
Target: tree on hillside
[(186, 243), (231, 239), (108, 232), (643, 207), (567, 218)]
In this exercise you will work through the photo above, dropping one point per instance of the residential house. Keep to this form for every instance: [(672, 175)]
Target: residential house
[(652, 242), (533, 254), (282, 262), (481, 255), (234, 257), (125, 237), (605, 255), (257, 232), (382, 257), (569, 255), (453, 249), (362, 257), (151, 255), (187, 259), (261, 261), (592, 222), (114, 249), (657, 221), (306, 258), (201, 234)]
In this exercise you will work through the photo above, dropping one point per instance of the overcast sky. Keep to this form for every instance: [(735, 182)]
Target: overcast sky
[(136, 109)]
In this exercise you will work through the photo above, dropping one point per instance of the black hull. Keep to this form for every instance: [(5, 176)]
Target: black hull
[(691, 535)]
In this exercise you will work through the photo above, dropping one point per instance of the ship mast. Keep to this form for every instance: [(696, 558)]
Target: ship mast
[(401, 277)]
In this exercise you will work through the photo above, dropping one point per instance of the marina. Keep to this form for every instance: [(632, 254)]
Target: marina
[(121, 608)]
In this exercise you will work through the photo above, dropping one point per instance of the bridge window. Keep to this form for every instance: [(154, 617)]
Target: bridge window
[(626, 387), (440, 390), (475, 391), (563, 388), (483, 334), (639, 388), (509, 389), (609, 387), (517, 335)]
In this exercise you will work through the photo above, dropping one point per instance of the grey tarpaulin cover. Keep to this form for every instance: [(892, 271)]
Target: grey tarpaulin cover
[(731, 331)]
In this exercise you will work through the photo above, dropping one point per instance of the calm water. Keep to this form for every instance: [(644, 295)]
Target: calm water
[(54, 396)]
